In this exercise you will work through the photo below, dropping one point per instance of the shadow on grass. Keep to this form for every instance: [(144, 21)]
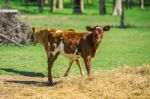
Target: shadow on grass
[(24, 73), (36, 83), (126, 26), (28, 12)]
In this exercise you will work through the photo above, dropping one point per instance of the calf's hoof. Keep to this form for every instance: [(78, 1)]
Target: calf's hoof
[(82, 74), (65, 75), (50, 84)]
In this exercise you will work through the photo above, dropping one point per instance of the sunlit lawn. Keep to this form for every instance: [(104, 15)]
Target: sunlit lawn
[(129, 46)]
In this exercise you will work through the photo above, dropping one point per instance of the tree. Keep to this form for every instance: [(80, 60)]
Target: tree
[(117, 8), (78, 6), (41, 5), (129, 4), (46, 1), (53, 6), (114, 2), (6, 1), (102, 7), (60, 4), (122, 25), (26, 3), (142, 4)]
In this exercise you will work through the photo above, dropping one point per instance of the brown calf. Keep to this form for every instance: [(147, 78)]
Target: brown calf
[(74, 45), (41, 36)]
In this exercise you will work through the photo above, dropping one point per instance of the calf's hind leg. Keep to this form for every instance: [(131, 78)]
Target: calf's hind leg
[(80, 67), (70, 64), (67, 71)]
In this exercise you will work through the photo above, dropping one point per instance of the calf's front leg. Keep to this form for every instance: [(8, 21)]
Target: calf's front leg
[(87, 61)]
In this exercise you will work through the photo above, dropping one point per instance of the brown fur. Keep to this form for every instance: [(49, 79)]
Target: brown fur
[(41, 36), (84, 44)]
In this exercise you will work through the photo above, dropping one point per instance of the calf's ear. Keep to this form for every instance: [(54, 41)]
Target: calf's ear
[(89, 28), (33, 29), (106, 28)]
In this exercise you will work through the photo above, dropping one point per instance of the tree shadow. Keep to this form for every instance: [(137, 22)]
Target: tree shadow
[(28, 12), (24, 73), (127, 26)]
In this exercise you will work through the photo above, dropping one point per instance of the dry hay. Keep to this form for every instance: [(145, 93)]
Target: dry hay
[(127, 82)]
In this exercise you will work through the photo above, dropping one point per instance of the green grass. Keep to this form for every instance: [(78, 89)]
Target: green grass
[(130, 46)]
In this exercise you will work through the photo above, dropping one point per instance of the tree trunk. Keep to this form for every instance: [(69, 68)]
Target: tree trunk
[(128, 4), (102, 7), (6, 1), (41, 5), (78, 6), (118, 8), (60, 4), (122, 25), (27, 3), (46, 1), (142, 4), (53, 6), (114, 1)]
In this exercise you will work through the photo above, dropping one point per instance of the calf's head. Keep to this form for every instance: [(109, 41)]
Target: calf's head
[(97, 32), (35, 35), (39, 35)]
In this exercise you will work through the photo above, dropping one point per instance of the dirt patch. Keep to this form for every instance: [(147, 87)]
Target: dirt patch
[(127, 82)]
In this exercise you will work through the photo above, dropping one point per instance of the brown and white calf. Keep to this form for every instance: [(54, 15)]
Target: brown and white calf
[(75, 45), (41, 36)]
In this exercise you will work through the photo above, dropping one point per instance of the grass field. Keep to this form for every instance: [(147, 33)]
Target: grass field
[(129, 46)]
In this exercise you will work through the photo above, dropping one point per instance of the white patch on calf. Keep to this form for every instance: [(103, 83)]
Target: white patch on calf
[(76, 50), (59, 31), (55, 45), (60, 48), (100, 28)]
